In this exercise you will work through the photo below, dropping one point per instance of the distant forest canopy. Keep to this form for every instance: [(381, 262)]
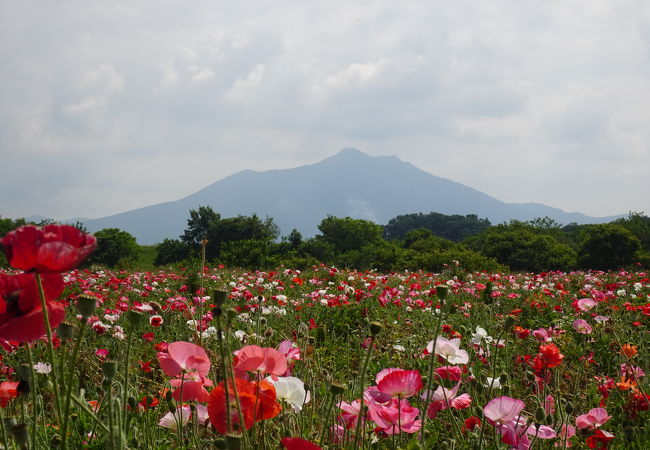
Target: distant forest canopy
[(430, 242)]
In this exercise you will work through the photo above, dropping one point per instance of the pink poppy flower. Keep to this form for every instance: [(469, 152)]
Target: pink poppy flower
[(586, 304), (593, 419), (502, 410), (443, 398), (184, 357), (257, 359), (581, 326), (393, 419), (350, 413), (400, 383)]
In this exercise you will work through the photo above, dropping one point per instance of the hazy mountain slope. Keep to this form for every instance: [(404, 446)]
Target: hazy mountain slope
[(349, 183)]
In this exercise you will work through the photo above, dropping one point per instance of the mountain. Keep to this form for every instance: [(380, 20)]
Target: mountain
[(349, 183)]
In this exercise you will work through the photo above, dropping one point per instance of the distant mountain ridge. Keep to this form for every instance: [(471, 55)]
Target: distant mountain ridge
[(350, 183)]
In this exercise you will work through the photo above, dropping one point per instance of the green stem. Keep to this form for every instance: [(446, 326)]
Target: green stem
[(33, 389), (362, 383), (50, 347), (68, 391), (125, 394), (223, 374), (432, 364)]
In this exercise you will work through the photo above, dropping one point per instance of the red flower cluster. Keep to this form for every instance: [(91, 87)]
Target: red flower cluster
[(47, 251)]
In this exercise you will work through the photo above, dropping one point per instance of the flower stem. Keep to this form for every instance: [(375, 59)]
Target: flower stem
[(432, 363), (50, 347), (68, 391), (34, 399), (362, 383)]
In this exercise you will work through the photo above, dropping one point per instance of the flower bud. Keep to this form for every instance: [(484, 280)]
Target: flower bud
[(503, 378), (219, 297), (65, 330), (337, 388), (509, 323), (375, 328), (568, 408), (134, 317), (540, 414), (109, 369), (442, 291), (233, 442), (86, 304), (23, 371)]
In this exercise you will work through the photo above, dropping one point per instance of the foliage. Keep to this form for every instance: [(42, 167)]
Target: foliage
[(608, 246), (115, 248), (198, 226), (453, 227), (171, 251), (345, 234), (520, 247)]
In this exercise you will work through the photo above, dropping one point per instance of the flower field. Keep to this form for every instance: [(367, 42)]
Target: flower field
[(209, 357)]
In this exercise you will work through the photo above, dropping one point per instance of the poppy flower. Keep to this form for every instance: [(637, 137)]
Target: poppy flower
[(400, 383), (21, 316), (257, 401), (184, 357), (549, 356), (52, 248), (298, 444), (257, 359), (629, 350), (8, 391)]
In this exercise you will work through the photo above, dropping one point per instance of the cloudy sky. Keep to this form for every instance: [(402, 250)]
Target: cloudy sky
[(109, 106)]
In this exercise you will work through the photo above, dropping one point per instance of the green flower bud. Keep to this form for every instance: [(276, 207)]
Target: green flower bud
[(540, 414), (568, 408), (20, 434), (65, 330), (134, 317), (337, 388), (219, 297), (509, 323), (86, 304), (375, 328), (109, 369), (442, 291)]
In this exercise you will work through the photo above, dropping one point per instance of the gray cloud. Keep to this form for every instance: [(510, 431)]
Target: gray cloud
[(108, 107)]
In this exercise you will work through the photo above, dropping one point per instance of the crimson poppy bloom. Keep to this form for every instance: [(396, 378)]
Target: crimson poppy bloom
[(21, 316), (296, 443), (257, 400), (52, 248)]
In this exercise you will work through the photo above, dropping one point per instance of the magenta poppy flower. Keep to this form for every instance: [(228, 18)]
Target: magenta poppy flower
[(393, 419), (296, 443), (400, 383), (443, 398), (52, 248), (21, 316)]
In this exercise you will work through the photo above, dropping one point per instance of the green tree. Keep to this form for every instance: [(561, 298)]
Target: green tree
[(608, 246), (115, 248), (346, 234), (171, 251), (240, 228), (519, 246), (199, 224), (453, 227)]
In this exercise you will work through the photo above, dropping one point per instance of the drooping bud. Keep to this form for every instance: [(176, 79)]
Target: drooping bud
[(375, 328)]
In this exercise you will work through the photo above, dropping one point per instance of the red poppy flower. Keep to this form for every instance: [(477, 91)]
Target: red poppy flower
[(21, 316), (52, 248), (8, 391), (296, 443), (250, 394), (549, 356)]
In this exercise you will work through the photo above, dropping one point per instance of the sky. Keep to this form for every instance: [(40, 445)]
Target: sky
[(111, 106)]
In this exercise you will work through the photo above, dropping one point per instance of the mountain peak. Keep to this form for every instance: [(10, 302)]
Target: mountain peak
[(351, 152)]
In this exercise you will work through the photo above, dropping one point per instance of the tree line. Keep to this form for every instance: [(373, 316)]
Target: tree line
[(431, 242)]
